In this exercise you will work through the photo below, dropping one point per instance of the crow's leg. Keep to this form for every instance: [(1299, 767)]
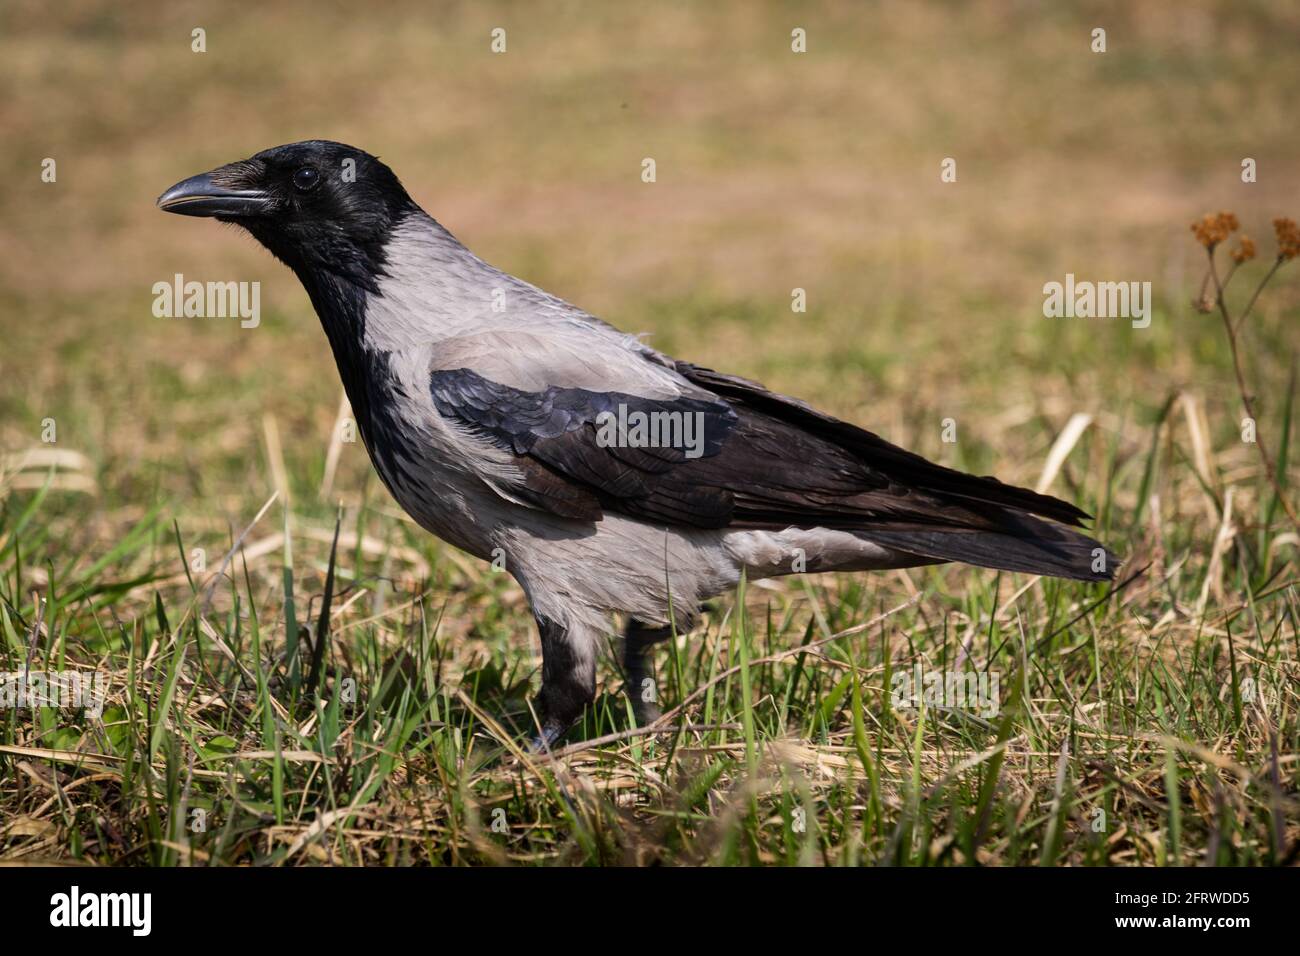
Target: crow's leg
[(568, 680), (642, 688)]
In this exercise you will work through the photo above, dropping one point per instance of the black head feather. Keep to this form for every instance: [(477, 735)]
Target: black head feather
[(323, 208), (335, 206)]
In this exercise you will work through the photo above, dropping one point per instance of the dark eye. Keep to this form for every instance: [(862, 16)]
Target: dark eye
[(306, 179)]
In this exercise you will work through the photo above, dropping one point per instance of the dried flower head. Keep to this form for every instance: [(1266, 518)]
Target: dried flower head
[(1288, 238), (1245, 249), (1212, 229)]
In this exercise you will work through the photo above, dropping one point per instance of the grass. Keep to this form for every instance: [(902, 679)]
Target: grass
[(392, 736), (297, 674)]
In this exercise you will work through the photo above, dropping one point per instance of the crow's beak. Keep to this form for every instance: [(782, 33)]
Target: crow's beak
[(201, 196)]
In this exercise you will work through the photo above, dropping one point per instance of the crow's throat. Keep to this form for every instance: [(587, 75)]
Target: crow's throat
[(367, 375)]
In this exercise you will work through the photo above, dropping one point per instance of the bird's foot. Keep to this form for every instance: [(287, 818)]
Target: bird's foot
[(546, 741), (645, 712)]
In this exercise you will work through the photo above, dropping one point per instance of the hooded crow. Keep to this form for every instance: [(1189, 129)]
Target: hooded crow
[(609, 477)]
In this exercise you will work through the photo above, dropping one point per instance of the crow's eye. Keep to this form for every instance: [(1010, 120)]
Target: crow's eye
[(306, 179)]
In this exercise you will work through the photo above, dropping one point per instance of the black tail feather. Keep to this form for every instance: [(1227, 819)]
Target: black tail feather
[(1028, 545)]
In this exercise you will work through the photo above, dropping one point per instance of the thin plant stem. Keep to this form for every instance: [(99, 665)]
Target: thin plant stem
[(1247, 401), (1258, 289)]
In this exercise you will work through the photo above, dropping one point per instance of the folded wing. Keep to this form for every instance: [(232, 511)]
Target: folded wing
[(739, 456)]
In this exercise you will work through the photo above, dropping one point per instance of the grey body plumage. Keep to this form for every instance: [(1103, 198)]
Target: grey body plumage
[(484, 402)]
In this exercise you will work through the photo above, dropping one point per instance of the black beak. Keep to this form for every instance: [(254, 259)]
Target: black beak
[(200, 196)]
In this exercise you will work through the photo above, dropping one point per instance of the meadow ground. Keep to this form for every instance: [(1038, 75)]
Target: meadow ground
[(1156, 725)]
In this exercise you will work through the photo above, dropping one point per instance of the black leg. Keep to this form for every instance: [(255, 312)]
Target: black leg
[(642, 688), (568, 681)]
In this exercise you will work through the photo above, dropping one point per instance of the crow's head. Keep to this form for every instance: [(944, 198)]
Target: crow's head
[(317, 205)]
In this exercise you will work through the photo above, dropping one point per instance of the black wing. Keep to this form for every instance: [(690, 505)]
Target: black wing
[(901, 465), (756, 460), (577, 458)]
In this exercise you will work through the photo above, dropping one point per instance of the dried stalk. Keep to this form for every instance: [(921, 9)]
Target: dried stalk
[(1247, 400)]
